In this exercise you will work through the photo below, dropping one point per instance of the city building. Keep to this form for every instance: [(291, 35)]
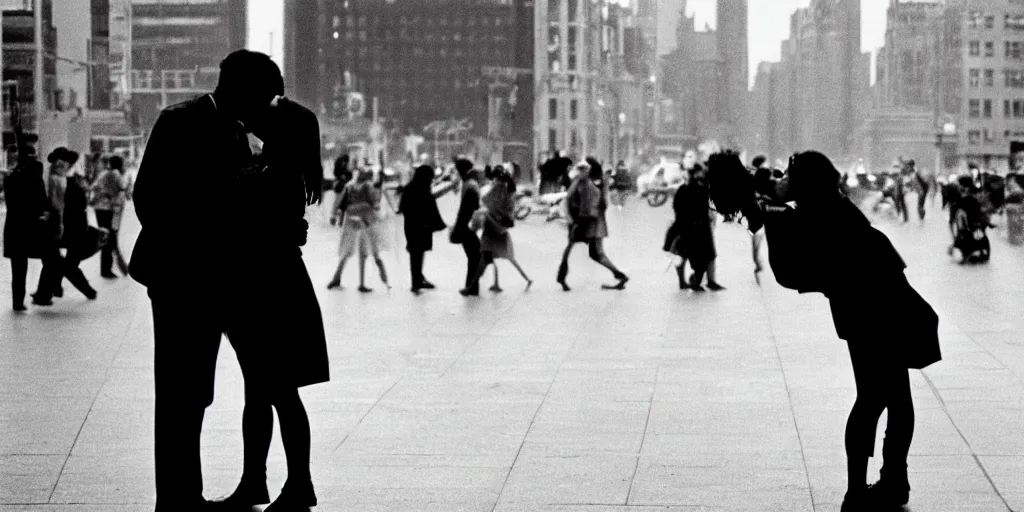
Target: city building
[(698, 110), (982, 80), (821, 86), (301, 50), (19, 67), (98, 58), (176, 49)]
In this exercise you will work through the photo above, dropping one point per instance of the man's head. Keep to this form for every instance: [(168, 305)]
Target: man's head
[(812, 178), (61, 159), (249, 82), (759, 161), (689, 159), (464, 167)]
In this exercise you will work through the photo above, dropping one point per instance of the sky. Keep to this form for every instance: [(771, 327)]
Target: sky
[(769, 26)]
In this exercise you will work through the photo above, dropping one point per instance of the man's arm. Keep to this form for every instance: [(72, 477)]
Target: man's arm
[(151, 189)]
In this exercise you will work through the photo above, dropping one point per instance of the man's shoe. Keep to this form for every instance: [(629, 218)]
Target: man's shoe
[(715, 287), (90, 294), (20, 308), (39, 300), (427, 285), (59, 292), (294, 498), (856, 502), (108, 275), (466, 292)]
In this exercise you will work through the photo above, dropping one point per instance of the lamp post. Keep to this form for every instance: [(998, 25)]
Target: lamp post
[(941, 145)]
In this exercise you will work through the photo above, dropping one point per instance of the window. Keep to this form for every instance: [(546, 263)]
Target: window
[(1014, 21), (974, 137), (573, 8), (990, 22), (1018, 109), (574, 139), (571, 46), (1007, 113), (1014, 78), (553, 109), (974, 77), (1015, 50), (987, 109), (573, 109), (554, 11), (975, 48), (989, 136), (974, 108), (990, 78), (975, 19), (990, 49), (552, 139)]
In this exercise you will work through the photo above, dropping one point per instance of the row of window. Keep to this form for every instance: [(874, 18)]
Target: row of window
[(1013, 49), (429, 37), (553, 109), (980, 20), (1012, 109), (1012, 78), (433, 51), (351, 21), (149, 79)]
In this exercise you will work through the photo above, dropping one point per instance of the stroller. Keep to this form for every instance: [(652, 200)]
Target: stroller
[(970, 232)]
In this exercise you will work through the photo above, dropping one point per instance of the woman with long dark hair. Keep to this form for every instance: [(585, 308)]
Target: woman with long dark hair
[(826, 245), (587, 202), (418, 206)]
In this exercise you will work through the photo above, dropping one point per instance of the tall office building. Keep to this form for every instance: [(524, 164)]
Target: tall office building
[(734, 72), (302, 36), (19, 65), (176, 49)]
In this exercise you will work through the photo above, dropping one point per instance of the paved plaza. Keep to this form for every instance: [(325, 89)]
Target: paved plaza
[(590, 401)]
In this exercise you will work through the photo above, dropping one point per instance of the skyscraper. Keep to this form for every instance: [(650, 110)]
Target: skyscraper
[(733, 51)]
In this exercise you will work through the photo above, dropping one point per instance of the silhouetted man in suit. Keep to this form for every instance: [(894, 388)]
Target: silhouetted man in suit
[(192, 299)]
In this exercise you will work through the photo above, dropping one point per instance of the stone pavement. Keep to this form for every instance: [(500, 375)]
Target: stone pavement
[(646, 399)]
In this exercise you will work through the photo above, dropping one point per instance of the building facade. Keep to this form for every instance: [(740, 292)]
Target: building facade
[(176, 49), (19, 67)]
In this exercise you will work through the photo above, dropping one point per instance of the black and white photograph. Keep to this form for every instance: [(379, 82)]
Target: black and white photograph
[(512, 256)]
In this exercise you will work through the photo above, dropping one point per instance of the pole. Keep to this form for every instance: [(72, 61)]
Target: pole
[(3, 88), (38, 78)]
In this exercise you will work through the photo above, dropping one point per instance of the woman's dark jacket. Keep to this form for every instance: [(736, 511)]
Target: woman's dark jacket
[(691, 235), (418, 207), (76, 217), (833, 249), (24, 231)]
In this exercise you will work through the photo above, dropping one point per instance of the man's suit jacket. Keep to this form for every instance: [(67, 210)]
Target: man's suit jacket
[(183, 197)]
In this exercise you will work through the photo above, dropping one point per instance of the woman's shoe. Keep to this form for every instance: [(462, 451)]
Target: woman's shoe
[(621, 285), (695, 284), (890, 492), (465, 292), (496, 289), (856, 501), (248, 494), (20, 308), (294, 498), (529, 283), (565, 286), (715, 287), (427, 285), (363, 289), (334, 285)]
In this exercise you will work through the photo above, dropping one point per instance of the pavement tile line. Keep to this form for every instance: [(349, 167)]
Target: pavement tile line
[(367, 413), (977, 460), (99, 391), (647, 423), (789, 396), (533, 419)]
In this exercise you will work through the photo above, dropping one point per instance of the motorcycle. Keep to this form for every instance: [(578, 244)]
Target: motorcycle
[(550, 205)]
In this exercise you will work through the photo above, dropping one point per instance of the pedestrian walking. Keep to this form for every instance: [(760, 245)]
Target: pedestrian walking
[(461, 233), (358, 206), (496, 218), (69, 229), (674, 241), (587, 203), (108, 193), (696, 231), (418, 207), (826, 232), (26, 224)]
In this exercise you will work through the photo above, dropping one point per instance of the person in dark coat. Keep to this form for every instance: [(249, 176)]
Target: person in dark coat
[(68, 203), (25, 226), (274, 355), (418, 206), (496, 219), (251, 283), (461, 232), (806, 246), (588, 202), (696, 232)]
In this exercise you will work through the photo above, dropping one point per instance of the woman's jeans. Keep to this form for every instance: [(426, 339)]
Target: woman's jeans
[(881, 385)]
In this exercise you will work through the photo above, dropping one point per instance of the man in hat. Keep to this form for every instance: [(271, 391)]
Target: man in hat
[(64, 225)]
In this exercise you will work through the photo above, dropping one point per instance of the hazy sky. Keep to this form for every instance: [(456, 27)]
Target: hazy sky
[(769, 25)]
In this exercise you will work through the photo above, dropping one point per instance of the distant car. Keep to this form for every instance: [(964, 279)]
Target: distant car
[(660, 182)]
